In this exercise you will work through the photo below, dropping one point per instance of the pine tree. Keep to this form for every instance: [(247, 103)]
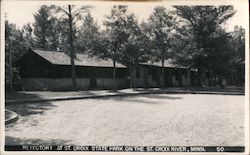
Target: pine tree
[(134, 48), (162, 25), (44, 27), (237, 59), (72, 15), (88, 39), (115, 35), (27, 33), (15, 46), (205, 23)]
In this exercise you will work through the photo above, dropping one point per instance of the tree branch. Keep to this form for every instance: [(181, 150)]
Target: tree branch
[(63, 10), (81, 10)]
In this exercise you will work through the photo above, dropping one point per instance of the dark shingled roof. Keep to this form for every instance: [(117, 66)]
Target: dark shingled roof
[(60, 58), (167, 63)]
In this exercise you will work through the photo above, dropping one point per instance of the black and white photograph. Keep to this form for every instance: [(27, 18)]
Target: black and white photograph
[(124, 76)]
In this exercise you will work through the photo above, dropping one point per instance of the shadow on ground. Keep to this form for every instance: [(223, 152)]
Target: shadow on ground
[(215, 88), (85, 93), (161, 96), (25, 109), (17, 141), (145, 99)]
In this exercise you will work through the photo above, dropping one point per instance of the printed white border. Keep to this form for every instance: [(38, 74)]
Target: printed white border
[(243, 3)]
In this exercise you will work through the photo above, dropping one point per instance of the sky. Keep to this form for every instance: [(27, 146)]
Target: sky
[(21, 13)]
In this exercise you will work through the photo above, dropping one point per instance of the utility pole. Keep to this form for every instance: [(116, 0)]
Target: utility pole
[(10, 69), (10, 59)]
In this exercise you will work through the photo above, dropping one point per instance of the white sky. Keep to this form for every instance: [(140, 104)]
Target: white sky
[(21, 13)]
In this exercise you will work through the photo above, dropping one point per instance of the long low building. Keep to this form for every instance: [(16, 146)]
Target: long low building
[(51, 70), (175, 76)]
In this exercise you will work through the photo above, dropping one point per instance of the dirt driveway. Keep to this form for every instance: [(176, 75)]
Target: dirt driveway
[(157, 119)]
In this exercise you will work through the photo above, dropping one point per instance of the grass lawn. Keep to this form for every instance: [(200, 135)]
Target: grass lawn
[(157, 119)]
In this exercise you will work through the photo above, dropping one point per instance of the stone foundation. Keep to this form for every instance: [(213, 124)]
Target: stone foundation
[(66, 83)]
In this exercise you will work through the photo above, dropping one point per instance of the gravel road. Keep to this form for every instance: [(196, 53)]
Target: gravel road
[(148, 120)]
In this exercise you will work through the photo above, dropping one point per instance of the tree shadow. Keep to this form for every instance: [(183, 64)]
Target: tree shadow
[(133, 99), (143, 98), (27, 108), (160, 96), (105, 95), (146, 89), (18, 95), (87, 93), (17, 141)]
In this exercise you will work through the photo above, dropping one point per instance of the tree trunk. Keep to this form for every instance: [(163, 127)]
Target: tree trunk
[(162, 74), (114, 76), (201, 76), (10, 69), (130, 76), (162, 77), (145, 77), (134, 75), (72, 55), (43, 38)]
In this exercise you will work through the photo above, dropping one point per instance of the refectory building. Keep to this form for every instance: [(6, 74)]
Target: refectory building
[(51, 70)]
